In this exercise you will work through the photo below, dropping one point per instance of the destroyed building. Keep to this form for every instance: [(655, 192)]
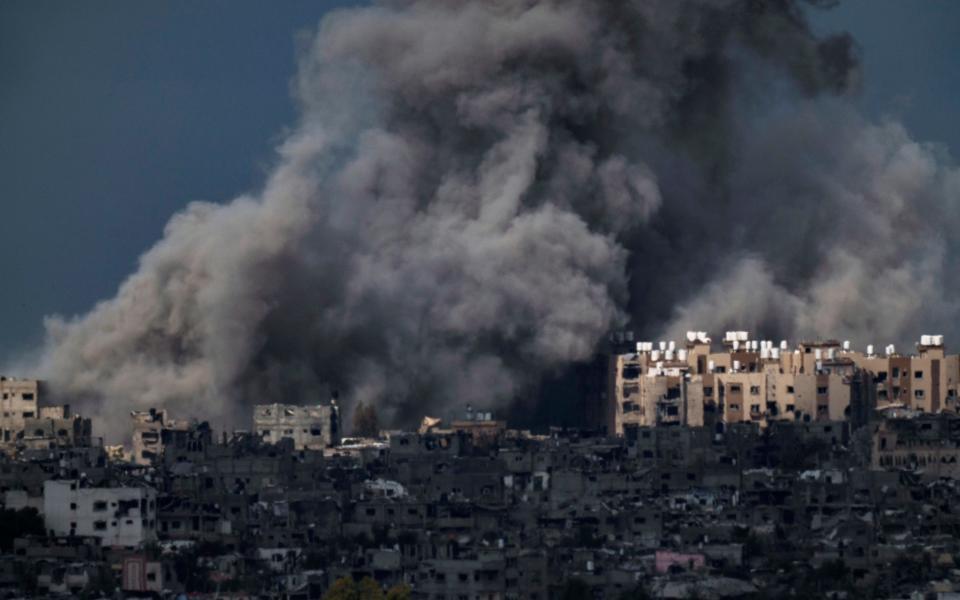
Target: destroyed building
[(310, 427)]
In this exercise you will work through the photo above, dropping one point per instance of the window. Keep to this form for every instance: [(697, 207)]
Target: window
[(755, 409), (822, 390), (882, 394), (28, 414), (881, 376), (100, 525), (789, 389), (918, 394), (99, 506), (895, 372), (708, 391), (790, 408), (73, 506), (918, 374), (734, 407), (755, 390), (734, 388)]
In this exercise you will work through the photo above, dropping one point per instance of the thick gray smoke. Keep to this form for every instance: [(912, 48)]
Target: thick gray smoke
[(478, 191)]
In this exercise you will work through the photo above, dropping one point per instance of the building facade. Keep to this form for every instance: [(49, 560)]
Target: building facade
[(310, 427), (755, 381), (118, 516)]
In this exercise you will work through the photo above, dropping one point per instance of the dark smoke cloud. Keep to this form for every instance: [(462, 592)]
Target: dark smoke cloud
[(478, 190)]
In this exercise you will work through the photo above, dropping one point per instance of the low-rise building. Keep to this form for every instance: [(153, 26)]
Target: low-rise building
[(153, 431), (118, 516), (310, 427)]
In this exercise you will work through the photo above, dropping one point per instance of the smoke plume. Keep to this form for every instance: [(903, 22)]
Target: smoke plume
[(477, 191)]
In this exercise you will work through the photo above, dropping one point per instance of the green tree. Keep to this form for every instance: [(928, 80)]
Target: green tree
[(369, 589), (346, 588), (401, 591), (366, 423), (342, 589)]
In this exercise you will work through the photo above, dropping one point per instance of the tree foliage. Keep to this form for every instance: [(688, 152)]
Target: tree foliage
[(401, 591), (346, 588)]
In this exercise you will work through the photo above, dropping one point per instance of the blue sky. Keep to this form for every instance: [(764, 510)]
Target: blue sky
[(115, 114)]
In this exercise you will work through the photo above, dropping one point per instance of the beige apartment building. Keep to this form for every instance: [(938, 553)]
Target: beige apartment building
[(18, 402), (310, 427), (26, 424), (757, 381)]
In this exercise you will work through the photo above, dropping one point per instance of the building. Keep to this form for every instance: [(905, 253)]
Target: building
[(927, 381), (748, 381), (55, 427), (153, 431), (18, 401), (926, 442), (26, 424), (310, 427), (118, 516)]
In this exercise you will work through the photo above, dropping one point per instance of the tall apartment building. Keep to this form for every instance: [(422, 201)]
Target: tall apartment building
[(759, 382)]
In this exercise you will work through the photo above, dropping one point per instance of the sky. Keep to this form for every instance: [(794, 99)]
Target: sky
[(114, 115)]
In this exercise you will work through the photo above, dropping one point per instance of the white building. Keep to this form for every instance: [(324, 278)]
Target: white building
[(124, 516)]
